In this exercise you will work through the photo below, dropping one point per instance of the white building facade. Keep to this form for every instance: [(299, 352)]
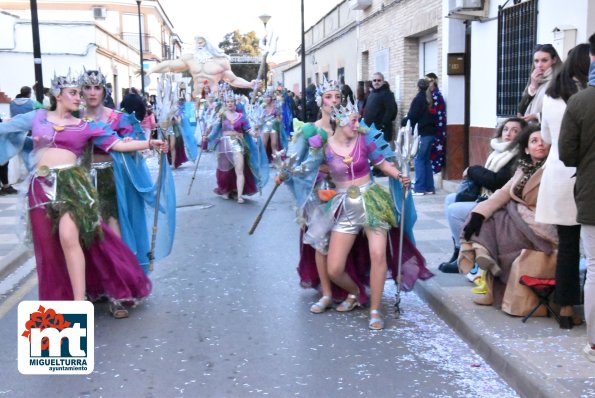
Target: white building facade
[(77, 34)]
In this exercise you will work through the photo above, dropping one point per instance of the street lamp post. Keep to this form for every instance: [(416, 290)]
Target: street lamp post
[(303, 64), (36, 52), (140, 43), (265, 19)]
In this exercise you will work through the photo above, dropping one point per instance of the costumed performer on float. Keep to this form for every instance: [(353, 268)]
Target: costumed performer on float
[(77, 255), (124, 185), (207, 63)]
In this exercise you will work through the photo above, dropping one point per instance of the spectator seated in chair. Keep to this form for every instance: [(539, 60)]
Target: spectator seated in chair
[(501, 234)]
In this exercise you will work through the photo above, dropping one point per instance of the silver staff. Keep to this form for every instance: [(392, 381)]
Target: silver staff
[(406, 147)]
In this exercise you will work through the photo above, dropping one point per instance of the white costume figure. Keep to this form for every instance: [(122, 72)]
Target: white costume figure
[(207, 63)]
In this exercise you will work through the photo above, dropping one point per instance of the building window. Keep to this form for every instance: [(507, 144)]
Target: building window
[(341, 75), (381, 61), (428, 56), (517, 35)]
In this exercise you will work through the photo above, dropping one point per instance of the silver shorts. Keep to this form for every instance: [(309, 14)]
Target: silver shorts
[(352, 217)]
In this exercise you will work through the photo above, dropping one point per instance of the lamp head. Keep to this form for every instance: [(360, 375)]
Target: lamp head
[(265, 19)]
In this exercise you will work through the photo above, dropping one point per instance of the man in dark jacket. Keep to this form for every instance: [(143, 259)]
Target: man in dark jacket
[(419, 114), (381, 108), (577, 149), (312, 108)]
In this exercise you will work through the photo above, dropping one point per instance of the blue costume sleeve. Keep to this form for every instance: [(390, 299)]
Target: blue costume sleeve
[(302, 180), (13, 135), (136, 195), (375, 140), (396, 190), (188, 130)]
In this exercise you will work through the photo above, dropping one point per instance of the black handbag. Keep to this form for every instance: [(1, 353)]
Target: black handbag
[(468, 191)]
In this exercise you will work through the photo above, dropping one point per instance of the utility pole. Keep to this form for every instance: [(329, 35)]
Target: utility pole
[(140, 42), (303, 55), (36, 52)]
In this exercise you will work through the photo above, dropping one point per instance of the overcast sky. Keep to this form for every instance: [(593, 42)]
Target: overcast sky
[(215, 18)]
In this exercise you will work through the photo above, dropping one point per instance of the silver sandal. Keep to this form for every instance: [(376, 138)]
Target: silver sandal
[(322, 305), (349, 303), (376, 322)]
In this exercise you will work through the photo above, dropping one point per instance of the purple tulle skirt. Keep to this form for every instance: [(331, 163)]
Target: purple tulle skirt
[(180, 153), (112, 270), (227, 182), (358, 266)]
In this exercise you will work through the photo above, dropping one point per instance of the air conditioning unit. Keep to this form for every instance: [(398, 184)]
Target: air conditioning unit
[(469, 4), (99, 12), (469, 10), (359, 4)]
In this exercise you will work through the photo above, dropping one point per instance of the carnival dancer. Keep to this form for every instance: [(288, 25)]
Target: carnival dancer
[(312, 267), (361, 205), (125, 189), (272, 130), (235, 151), (186, 146), (77, 255), (208, 118)]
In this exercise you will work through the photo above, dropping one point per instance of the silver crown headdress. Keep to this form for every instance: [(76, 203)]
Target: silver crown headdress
[(60, 82), (341, 114), (92, 78), (270, 92), (327, 85), (229, 95)]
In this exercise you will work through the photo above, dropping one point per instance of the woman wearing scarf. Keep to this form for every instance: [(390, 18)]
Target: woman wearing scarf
[(546, 63), (503, 225)]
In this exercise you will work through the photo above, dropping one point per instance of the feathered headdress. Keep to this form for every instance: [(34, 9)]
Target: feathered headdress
[(341, 114), (60, 82)]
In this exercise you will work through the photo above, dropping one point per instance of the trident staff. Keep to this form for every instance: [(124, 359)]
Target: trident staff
[(284, 165), (166, 108), (406, 147)]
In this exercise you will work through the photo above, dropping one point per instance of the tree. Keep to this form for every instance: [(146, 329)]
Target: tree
[(235, 43)]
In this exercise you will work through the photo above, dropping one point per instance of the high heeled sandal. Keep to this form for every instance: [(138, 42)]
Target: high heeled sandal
[(466, 259), (485, 261), (117, 310), (240, 199), (321, 305), (376, 321), (349, 303)]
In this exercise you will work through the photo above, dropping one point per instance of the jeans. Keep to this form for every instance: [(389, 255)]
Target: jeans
[(568, 287), (424, 176), (456, 215), (588, 239)]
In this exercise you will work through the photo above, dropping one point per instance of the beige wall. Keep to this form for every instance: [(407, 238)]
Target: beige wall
[(398, 26)]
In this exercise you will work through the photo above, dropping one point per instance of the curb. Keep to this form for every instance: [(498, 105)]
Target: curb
[(13, 260), (526, 380)]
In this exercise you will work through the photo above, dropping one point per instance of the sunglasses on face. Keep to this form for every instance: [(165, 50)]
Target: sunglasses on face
[(376, 80)]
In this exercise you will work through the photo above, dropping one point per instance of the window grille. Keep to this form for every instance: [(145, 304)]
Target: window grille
[(517, 36)]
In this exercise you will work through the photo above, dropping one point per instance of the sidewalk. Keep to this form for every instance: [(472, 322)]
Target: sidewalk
[(12, 252), (538, 359)]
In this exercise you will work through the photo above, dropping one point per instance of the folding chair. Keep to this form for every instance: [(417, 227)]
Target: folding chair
[(543, 289)]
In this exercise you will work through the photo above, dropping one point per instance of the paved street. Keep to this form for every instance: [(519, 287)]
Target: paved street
[(228, 319)]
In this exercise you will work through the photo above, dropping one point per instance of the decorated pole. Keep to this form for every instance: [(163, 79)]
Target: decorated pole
[(166, 108), (267, 47), (406, 146), (284, 165)]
